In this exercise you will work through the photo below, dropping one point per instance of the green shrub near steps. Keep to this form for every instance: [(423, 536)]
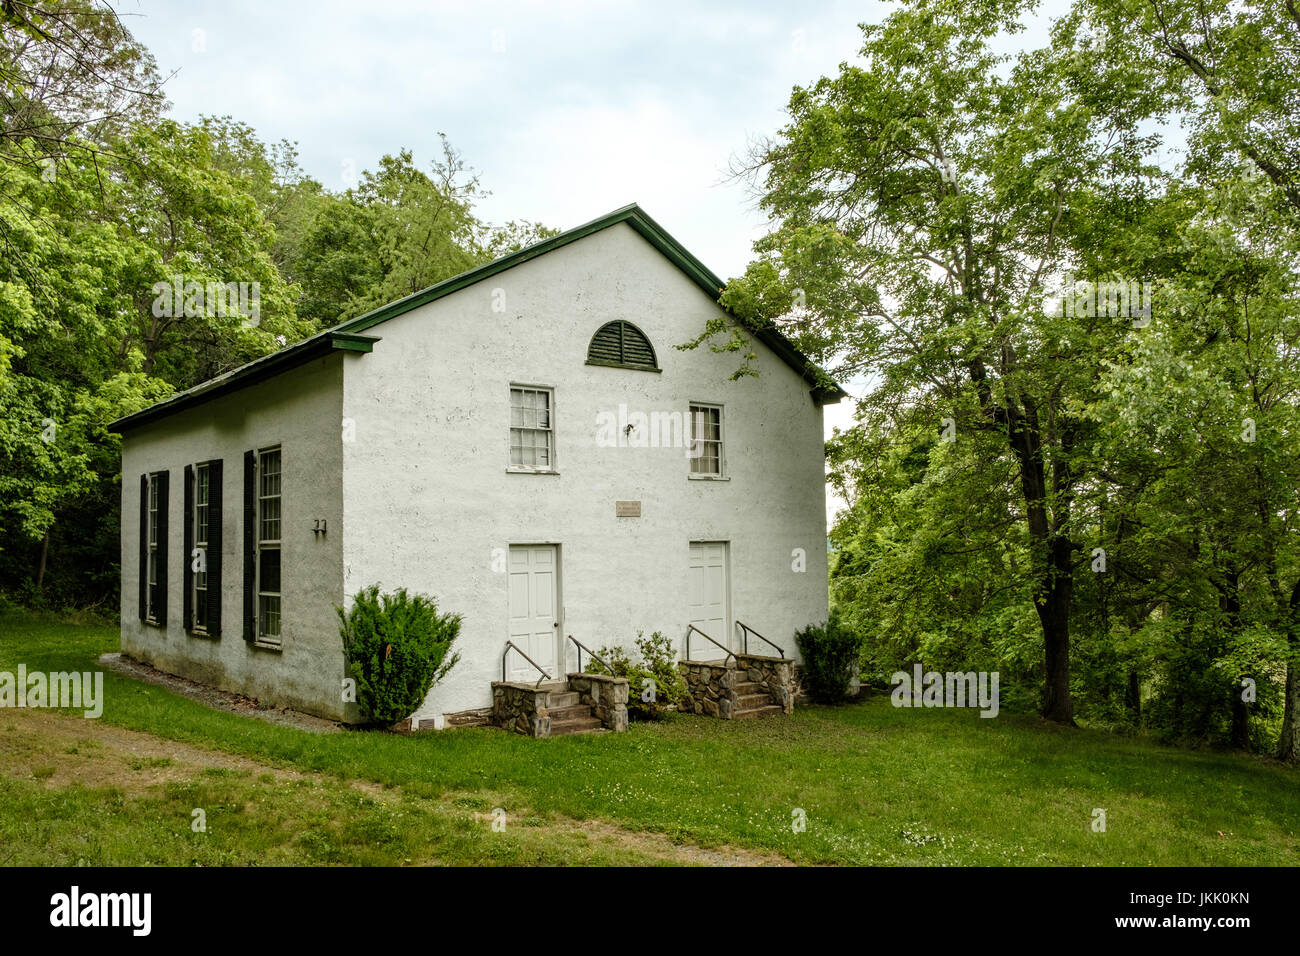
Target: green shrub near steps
[(397, 648), (830, 658), (654, 683)]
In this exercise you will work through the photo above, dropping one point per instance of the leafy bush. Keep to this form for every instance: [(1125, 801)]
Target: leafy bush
[(654, 683), (830, 658), (396, 647)]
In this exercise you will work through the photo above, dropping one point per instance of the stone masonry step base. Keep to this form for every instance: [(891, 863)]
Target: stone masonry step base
[(762, 711), (747, 685), (575, 725), (583, 704)]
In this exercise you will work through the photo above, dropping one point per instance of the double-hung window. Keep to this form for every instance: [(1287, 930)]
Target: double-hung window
[(202, 492), (532, 429), (154, 543), (706, 441), (201, 569), (268, 546)]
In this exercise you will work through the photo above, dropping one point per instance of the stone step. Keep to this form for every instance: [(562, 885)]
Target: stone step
[(568, 713), (750, 701), (482, 717), (575, 725), (559, 699), (749, 687), (750, 712)]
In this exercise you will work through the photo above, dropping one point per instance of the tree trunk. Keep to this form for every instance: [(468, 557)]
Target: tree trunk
[(1053, 608), (40, 567), (1230, 605), (1288, 743), (1051, 544), (1133, 698), (1240, 720)]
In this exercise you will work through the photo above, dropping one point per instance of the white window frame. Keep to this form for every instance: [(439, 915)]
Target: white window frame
[(548, 430), (202, 505), (697, 460), (264, 545)]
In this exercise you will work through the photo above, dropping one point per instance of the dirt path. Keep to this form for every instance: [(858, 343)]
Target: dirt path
[(62, 750), (59, 751)]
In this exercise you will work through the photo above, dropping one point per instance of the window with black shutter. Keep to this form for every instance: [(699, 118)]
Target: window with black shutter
[(198, 547), (187, 550), (144, 548), (213, 621), (622, 345), (154, 528)]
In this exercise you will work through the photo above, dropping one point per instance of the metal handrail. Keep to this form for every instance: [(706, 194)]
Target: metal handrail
[(692, 627), (590, 653), (749, 630), (506, 653)]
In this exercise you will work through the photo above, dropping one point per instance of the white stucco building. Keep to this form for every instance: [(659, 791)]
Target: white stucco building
[(525, 443)]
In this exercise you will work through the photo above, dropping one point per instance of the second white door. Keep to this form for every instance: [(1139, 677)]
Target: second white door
[(708, 598)]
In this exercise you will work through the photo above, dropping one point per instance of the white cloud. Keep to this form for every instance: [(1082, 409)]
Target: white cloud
[(580, 108)]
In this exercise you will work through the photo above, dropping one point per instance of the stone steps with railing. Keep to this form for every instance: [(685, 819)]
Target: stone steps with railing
[(739, 686), (583, 704)]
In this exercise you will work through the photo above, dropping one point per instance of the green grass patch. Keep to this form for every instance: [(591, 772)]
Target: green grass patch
[(875, 785)]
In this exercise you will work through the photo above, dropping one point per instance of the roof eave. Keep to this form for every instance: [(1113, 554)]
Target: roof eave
[(652, 232), (257, 370)]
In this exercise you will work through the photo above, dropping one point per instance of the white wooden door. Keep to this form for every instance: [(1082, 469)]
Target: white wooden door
[(534, 606), (708, 598)]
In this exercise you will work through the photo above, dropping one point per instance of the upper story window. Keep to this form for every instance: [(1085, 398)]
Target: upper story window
[(532, 429), (706, 441), (622, 345)]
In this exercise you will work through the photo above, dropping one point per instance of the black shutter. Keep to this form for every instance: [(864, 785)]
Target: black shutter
[(214, 548), (163, 500), (144, 547), (250, 548), (187, 559)]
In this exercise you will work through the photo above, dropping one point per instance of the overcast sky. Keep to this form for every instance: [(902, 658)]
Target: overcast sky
[(566, 109)]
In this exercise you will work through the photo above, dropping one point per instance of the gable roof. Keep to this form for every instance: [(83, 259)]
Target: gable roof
[(346, 335)]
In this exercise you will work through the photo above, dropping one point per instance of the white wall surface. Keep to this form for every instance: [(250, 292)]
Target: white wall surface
[(300, 410), (429, 502)]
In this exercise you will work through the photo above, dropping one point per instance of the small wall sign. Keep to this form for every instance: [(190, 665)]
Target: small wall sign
[(627, 509)]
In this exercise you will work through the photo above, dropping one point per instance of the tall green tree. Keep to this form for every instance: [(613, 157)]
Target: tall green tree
[(1228, 72), (923, 201), (398, 231), (1229, 68)]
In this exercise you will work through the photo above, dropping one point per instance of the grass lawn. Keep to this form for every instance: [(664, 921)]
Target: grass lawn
[(877, 785)]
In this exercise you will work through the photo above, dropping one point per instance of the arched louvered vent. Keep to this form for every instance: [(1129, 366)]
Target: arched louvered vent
[(622, 344)]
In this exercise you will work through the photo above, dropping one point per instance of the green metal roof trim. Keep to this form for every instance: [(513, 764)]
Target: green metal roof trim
[(268, 366), (654, 234), (345, 334)]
